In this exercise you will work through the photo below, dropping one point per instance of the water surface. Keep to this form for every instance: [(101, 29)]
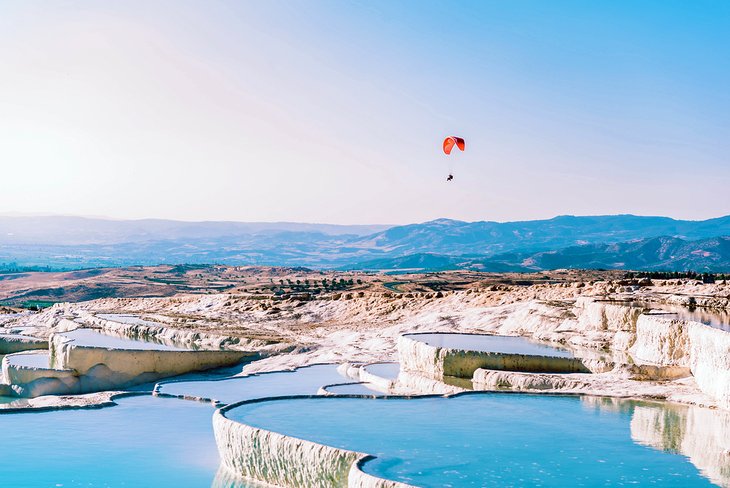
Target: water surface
[(717, 318), (142, 442), (31, 360), (353, 389), (130, 319), (713, 317), (303, 381), (492, 439), (384, 370), (490, 343), (92, 337)]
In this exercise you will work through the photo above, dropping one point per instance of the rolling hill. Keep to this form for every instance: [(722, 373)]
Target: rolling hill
[(615, 241)]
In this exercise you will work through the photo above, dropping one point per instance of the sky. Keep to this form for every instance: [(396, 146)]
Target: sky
[(334, 111)]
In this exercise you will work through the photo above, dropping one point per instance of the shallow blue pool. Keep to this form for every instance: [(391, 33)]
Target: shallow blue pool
[(353, 389), (142, 442), (384, 370), (303, 381), (91, 337), (490, 343), (500, 439), (38, 359), (714, 317), (131, 319)]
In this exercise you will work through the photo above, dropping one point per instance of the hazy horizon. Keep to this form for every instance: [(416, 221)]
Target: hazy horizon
[(345, 224), (331, 111)]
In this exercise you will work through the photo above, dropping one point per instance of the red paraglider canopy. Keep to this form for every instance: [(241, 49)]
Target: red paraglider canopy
[(452, 141)]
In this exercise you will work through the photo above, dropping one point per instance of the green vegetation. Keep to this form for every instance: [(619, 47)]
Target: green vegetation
[(671, 275), (34, 305), (15, 268), (314, 287)]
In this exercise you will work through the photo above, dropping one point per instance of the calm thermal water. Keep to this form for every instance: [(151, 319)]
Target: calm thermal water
[(31, 360), (487, 343), (473, 440), (95, 338), (127, 319), (384, 370), (717, 318), (143, 441), (487, 439), (353, 389), (303, 381)]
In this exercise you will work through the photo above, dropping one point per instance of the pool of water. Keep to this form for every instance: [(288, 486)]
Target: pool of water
[(719, 319), (14, 335), (384, 370), (130, 319), (494, 440), (91, 337), (303, 381), (143, 441), (31, 360), (714, 317), (353, 389), (11, 335), (491, 343)]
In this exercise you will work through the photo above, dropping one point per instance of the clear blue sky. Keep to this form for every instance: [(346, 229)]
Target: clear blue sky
[(334, 111)]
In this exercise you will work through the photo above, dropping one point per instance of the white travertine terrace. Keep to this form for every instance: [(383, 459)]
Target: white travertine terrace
[(27, 380), (281, 460), (704, 350), (379, 382), (489, 379), (631, 354), (11, 343), (80, 368), (131, 363), (437, 362), (148, 331)]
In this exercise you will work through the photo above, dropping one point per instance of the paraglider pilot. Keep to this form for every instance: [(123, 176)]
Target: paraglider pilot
[(449, 144)]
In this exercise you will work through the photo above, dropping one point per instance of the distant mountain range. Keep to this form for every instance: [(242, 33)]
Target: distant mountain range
[(656, 254), (611, 242)]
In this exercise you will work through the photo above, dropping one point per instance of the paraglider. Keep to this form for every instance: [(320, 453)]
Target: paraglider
[(449, 144), (452, 141)]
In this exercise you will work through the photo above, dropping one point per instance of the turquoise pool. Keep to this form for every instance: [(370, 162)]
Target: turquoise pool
[(143, 441), (482, 439), (490, 343), (713, 317), (39, 359), (92, 337), (131, 319), (384, 370), (353, 389), (493, 439), (303, 381)]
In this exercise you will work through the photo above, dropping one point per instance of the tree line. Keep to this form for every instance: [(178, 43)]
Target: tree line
[(672, 275)]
